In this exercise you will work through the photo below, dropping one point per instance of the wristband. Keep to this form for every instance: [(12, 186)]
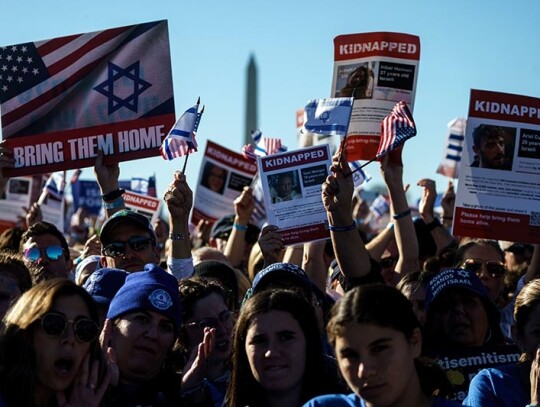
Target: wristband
[(113, 196), (435, 223), (241, 228), (118, 203), (352, 226), (178, 236), (402, 214)]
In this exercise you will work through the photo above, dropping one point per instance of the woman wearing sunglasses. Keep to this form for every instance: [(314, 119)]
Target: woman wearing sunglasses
[(206, 306), (49, 349)]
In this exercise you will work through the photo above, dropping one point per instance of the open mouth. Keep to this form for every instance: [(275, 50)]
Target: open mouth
[(64, 365)]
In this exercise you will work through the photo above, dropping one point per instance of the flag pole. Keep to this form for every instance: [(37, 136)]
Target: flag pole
[(359, 168), (195, 127)]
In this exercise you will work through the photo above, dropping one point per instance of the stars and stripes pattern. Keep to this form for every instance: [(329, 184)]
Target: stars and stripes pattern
[(266, 145), (181, 139), (37, 77), (396, 128), (248, 152), (329, 116)]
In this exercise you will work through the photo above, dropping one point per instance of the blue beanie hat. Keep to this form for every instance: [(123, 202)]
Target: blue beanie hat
[(150, 290), (103, 284), (453, 278)]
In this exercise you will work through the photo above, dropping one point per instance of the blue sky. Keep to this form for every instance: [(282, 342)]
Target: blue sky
[(491, 45)]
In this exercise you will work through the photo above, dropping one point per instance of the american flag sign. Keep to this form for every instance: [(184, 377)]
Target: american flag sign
[(396, 128)]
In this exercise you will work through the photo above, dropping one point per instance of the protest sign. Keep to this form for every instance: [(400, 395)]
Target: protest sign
[(87, 194), (292, 185), (378, 70), (143, 204), (499, 182), (16, 197), (224, 174), (66, 98)]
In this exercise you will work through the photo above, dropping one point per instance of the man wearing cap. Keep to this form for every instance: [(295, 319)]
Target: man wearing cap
[(129, 240)]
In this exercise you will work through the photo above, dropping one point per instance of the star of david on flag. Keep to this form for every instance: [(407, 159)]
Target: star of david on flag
[(328, 116), (396, 128), (181, 138)]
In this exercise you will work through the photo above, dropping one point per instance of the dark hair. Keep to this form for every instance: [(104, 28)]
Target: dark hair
[(45, 228), (10, 239), (385, 306), (489, 131), (18, 375), (243, 388), (477, 242), (526, 301), (14, 266)]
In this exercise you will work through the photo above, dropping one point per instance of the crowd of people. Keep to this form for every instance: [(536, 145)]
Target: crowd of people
[(225, 314)]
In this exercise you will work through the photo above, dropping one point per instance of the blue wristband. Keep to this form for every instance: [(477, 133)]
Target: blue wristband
[(118, 203), (352, 226), (241, 228)]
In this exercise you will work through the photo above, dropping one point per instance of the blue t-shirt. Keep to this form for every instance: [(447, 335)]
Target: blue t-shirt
[(352, 400), (499, 387)]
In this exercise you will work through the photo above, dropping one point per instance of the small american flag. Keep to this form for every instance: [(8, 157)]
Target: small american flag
[(396, 128), (266, 145), (181, 139), (248, 152)]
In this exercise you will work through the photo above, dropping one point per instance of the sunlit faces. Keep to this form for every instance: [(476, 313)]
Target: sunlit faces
[(491, 152), (54, 268), (276, 351), (58, 359), (485, 253), (211, 311), (141, 341), (530, 340), (9, 292), (461, 317), (131, 260), (378, 362)]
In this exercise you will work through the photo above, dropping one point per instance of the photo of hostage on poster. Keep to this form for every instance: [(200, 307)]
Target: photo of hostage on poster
[(377, 69), (223, 175), (291, 185), (499, 178)]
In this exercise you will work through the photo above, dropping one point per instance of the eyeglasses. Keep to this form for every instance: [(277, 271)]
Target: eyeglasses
[(225, 318), (137, 243), (494, 268), (33, 254), (55, 324), (386, 262)]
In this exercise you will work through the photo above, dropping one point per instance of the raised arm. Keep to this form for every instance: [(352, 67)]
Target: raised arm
[(243, 208), (405, 235), (337, 190), (107, 179), (179, 200)]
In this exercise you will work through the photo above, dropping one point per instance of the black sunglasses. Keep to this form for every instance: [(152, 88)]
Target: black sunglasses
[(494, 268), (55, 324), (137, 243)]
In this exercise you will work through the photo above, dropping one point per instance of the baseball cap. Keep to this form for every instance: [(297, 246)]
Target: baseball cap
[(103, 284), (125, 215), (453, 278)]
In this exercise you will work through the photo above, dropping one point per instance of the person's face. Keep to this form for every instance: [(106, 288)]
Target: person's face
[(530, 339), (485, 253), (378, 362), (491, 152), (48, 267), (284, 187), (58, 359), (9, 292), (276, 351), (142, 340), (461, 317), (211, 311), (131, 260), (415, 293), (216, 179)]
